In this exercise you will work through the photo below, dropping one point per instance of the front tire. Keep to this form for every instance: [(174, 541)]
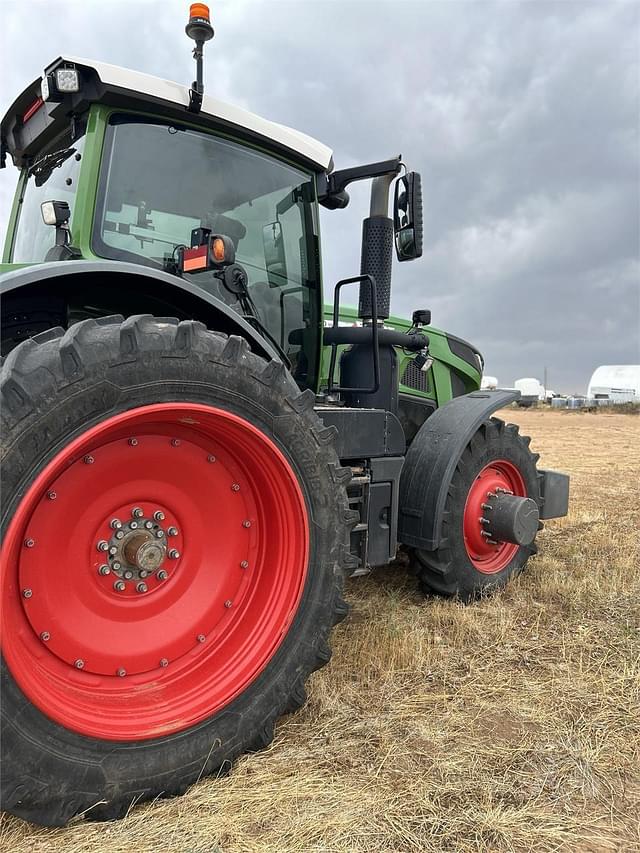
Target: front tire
[(175, 525), (468, 563)]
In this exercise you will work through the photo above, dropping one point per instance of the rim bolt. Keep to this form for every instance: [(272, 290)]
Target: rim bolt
[(115, 523), (175, 442), (116, 566), (133, 442), (29, 543), (172, 531), (148, 524), (201, 638), (128, 575), (244, 564), (119, 586), (211, 458), (158, 515), (104, 570), (79, 664), (164, 662), (235, 487), (162, 575), (228, 603), (88, 460), (27, 593), (113, 550), (246, 523), (102, 545), (136, 512), (121, 672), (141, 587), (133, 525), (160, 534), (143, 573), (52, 496), (45, 636), (174, 554), (120, 534)]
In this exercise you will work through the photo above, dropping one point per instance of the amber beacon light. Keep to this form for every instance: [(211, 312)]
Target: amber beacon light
[(200, 30)]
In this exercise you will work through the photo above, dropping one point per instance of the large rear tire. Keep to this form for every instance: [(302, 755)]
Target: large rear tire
[(175, 527), (468, 562)]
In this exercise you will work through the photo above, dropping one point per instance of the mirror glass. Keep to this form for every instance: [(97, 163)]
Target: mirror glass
[(407, 217), (274, 256)]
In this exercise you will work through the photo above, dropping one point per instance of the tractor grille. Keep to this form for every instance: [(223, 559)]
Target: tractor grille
[(415, 378)]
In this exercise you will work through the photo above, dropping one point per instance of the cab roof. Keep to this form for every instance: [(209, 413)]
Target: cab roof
[(113, 85)]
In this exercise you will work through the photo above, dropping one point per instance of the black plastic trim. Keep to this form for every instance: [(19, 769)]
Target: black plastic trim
[(554, 493), (364, 433)]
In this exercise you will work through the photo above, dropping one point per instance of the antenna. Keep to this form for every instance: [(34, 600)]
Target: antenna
[(200, 30)]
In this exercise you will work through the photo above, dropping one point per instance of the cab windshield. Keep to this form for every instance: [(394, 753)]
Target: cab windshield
[(161, 181)]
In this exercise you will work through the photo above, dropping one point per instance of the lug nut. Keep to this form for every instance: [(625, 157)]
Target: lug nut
[(128, 575), (121, 672), (175, 442), (228, 603), (133, 525), (102, 545), (52, 496), (104, 570), (29, 543), (160, 534), (88, 460), (115, 523), (246, 523), (116, 566), (143, 573), (133, 442), (162, 575), (174, 554), (164, 662), (141, 587), (120, 534), (148, 524), (79, 664), (211, 458), (244, 564), (201, 638), (235, 487), (158, 515), (136, 512), (113, 550), (45, 636), (172, 531), (27, 593), (119, 586)]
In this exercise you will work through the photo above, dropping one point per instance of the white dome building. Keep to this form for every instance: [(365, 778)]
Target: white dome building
[(617, 383)]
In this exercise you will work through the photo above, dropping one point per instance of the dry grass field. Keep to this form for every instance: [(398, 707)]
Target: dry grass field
[(509, 725)]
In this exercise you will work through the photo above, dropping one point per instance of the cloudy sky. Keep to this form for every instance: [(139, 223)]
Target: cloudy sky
[(523, 117)]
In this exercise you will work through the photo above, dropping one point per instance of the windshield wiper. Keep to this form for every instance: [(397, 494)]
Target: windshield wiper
[(43, 167)]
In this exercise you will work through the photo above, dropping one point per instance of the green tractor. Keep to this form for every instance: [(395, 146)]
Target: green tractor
[(195, 451)]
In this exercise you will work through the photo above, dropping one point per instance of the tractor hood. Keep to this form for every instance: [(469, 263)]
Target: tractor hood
[(31, 122)]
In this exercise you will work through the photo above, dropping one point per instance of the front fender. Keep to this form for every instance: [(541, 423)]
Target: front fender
[(431, 461), (128, 289)]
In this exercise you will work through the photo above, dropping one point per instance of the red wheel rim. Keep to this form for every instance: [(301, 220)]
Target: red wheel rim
[(200, 494), (487, 555)]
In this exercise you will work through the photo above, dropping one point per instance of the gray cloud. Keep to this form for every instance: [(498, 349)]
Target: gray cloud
[(522, 117)]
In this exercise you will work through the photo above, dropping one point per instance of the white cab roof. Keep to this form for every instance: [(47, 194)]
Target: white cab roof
[(166, 90)]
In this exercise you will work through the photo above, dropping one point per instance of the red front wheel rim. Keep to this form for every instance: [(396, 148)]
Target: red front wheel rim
[(487, 554), (151, 571)]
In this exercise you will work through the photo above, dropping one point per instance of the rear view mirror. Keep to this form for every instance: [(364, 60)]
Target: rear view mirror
[(407, 216), (274, 257)]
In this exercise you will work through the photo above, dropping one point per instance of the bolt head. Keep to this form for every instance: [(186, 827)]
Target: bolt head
[(244, 564), (27, 593), (29, 543), (121, 672), (120, 534), (160, 534), (45, 636), (246, 523), (164, 662), (228, 603), (141, 587), (148, 524), (104, 570), (211, 458), (133, 442), (143, 573), (119, 586), (175, 442), (113, 550), (88, 460), (201, 638), (128, 575), (79, 664), (172, 531), (235, 487), (116, 566), (115, 523), (162, 575), (174, 554), (133, 525), (136, 512), (52, 496), (102, 545), (158, 515)]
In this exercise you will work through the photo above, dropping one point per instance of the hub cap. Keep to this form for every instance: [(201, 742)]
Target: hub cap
[(487, 554), (164, 553)]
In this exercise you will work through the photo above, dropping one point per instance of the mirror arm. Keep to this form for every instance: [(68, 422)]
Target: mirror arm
[(332, 187)]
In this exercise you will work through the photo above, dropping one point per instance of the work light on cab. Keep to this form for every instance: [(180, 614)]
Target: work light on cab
[(61, 82)]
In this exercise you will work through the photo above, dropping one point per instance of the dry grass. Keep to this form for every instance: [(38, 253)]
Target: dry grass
[(513, 724)]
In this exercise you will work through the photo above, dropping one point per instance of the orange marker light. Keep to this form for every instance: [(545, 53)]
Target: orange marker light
[(218, 250), (199, 10)]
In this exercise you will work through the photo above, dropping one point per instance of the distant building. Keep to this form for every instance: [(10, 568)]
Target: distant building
[(615, 383), (489, 383), (530, 391)]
